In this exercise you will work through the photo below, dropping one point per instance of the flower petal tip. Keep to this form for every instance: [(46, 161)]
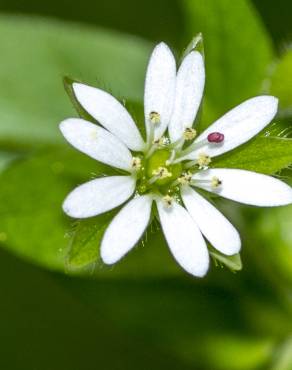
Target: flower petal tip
[(235, 249), (201, 273), (77, 85), (162, 45), (78, 89), (285, 198), (196, 54), (64, 125), (274, 102), (107, 258), (68, 211)]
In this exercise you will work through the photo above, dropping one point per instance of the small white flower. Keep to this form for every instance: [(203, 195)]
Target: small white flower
[(167, 170)]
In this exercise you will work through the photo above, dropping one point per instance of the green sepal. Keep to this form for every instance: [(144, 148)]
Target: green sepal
[(233, 263), (85, 240), (68, 85), (196, 44)]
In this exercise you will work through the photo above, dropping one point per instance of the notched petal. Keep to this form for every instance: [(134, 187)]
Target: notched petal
[(98, 196), (160, 88), (190, 83), (126, 229), (246, 187), (184, 238), (238, 125), (97, 143), (110, 113)]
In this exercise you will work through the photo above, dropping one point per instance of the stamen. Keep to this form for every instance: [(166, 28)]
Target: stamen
[(162, 173), (136, 163), (167, 201), (163, 141), (203, 161), (215, 182), (189, 134), (177, 145), (154, 118), (215, 137), (159, 174), (156, 144), (171, 158), (185, 179), (151, 150)]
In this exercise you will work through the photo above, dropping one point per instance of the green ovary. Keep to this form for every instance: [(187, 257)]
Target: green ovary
[(158, 159)]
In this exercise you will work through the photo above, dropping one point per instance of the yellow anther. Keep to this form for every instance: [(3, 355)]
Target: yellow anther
[(136, 163), (185, 179), (162, 173), (203, 161), (161, 142), (189, 134), (167, 201), (215, 182), (154, 118)]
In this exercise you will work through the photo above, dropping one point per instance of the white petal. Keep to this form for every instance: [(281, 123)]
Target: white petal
[(110, 113), (190, 83), (126, 229), (160, 87), (184, 239), (96, 142), (215, 227), (238, 125), (247, 187), (98, 196)]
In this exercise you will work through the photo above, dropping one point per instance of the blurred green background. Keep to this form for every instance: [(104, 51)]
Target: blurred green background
[(145, 313)]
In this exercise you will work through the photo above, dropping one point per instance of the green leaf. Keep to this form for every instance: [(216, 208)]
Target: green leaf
[(32, 191), (6, 158), (280, 82), (35, 56), (236, 62), (34, 226), (262, 154), (85, 241), (283, 356), (135, 108), (274, 230)]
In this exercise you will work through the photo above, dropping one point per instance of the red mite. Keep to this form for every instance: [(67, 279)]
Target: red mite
[(215, 137)]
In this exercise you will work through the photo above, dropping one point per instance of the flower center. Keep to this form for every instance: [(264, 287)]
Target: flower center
[(156, 167), (161, 168)]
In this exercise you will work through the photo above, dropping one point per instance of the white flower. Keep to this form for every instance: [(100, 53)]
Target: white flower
[(166, 169)]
